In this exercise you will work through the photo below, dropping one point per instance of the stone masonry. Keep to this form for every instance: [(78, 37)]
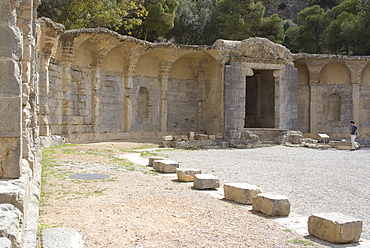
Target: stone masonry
[(95, 85)]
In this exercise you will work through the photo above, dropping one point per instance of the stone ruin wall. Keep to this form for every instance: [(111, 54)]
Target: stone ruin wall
[(332, 91), (98, 85), (93, 85), (19, 152)]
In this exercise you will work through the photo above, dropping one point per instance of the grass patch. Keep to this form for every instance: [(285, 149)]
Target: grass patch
[(301, 242)]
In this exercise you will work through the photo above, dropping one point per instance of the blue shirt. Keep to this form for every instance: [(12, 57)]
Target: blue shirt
[(354, 129)]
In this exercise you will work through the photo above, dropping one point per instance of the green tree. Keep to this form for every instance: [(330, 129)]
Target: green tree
[(161, 16), (308, 37), (92, 13), (363, 37), (241, 19), (195, 22), (326, 4)]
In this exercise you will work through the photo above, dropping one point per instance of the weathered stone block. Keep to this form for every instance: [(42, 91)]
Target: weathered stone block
[(10, 112), (61, 237), (10, 158), (201, 136), (271, 204), (187, 175), (5, 243), (241, 192), (10, 81), (335, 227), (11, 220), (12, 194), (191, 135), (152, 159), (168, 138), (212, 137), (165, 166), (206, 181)]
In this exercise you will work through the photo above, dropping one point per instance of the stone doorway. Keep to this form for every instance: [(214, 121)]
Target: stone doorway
[(260, 100)]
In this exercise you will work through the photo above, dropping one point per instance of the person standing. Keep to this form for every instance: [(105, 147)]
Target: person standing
[(354, 131)]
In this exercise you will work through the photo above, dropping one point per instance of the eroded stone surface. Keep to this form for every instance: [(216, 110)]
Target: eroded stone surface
[(165, 166), (271, 204), (61, 237), (335, 227), (206, 181), (187, 175), (241, 192)]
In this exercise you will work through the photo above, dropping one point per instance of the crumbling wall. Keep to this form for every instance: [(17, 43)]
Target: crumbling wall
[(19, 152)]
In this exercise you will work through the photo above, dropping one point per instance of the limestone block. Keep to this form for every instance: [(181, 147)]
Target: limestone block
[(151, 160), (206, 181), (191, 135), (225, 144), (219, 136), (165, 166), (177, 138), (271, 204), (168, 138), (11, 220), (187, 175), (61, 237), (201, 136), (10, 113), (184, 137), (11, 42), (10, 154), (10, 78), (5, 243), (12, 194), (212, 137), (241, 192), (335, 227)]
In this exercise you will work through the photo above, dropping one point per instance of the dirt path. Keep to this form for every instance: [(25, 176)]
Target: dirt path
[(136, 207)]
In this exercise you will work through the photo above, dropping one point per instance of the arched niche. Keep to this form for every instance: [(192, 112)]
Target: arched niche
[(335, 73), (115, 61), (365, 77), (303, 74), (147, 66), (84, 54), (184, 68)]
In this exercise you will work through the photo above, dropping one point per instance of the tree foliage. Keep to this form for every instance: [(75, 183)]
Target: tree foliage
[(241, 19), (93, 13), (195, 22), (161, 16)]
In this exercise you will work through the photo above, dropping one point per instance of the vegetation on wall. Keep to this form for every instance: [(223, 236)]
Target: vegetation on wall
[(327, 26)]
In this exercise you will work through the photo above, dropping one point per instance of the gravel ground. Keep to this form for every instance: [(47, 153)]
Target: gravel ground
[(315, 181)]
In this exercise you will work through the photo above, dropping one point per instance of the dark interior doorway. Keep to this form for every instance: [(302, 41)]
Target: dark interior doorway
[(260, 100)]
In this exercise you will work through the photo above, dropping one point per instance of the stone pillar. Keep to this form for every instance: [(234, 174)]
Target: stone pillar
[(202, 77), (128, 85), (314, 78), (286, 99), (66, 64), (235, 90), (164, 74), (50, 33), (11, 42), (356, 69), (95, 108)]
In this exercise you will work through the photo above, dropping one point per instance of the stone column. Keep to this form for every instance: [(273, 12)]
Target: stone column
[(95, 108), (50, 33), (202, 77), (314, 79), (128, 81), (356, 69), (11, 42), (164, 74), (235, 95), (66, 65)]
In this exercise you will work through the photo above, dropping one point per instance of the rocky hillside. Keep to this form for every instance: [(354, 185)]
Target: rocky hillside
[(286, 9)]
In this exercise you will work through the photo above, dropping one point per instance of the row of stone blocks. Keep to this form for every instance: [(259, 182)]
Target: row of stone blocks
[(332, 227)]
